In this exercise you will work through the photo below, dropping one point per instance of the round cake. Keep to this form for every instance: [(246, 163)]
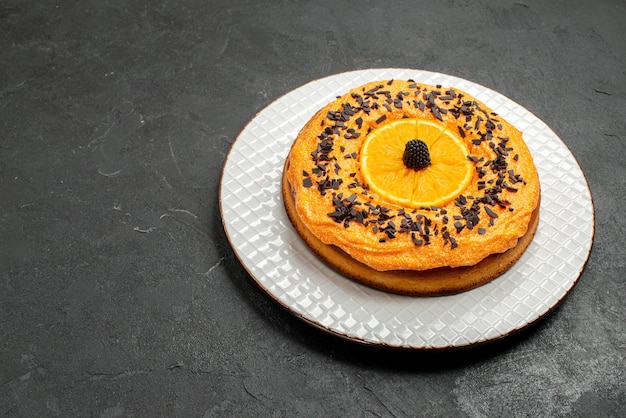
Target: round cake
[(412, 188)]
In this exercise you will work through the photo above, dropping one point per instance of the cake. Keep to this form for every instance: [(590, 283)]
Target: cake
[(412, 188)]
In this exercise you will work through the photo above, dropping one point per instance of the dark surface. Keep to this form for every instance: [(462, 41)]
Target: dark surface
[(119, 292)]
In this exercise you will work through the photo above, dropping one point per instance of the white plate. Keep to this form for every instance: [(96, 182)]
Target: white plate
[(283, 266)]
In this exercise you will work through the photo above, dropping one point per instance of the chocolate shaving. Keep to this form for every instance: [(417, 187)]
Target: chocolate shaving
[(490, 212)]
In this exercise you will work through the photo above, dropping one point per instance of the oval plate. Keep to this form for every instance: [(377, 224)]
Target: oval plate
[(272, 252)]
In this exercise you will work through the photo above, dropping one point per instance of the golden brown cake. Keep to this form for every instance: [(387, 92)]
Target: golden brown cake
[(412, 188)]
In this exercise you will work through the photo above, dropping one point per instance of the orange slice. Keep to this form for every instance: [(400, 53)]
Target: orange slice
[(385, 173)]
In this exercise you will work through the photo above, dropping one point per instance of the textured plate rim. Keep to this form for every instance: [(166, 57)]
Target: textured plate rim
[(369, 342)]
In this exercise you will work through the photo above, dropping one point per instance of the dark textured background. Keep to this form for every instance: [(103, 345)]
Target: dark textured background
[(119, 292)]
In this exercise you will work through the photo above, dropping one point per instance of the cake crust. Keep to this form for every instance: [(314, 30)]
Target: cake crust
[(434, 282)]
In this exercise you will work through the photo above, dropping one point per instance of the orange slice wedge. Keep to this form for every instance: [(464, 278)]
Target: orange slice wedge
[(384, 171)]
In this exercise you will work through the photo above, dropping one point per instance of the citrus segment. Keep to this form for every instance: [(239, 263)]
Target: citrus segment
[(385, 172)]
